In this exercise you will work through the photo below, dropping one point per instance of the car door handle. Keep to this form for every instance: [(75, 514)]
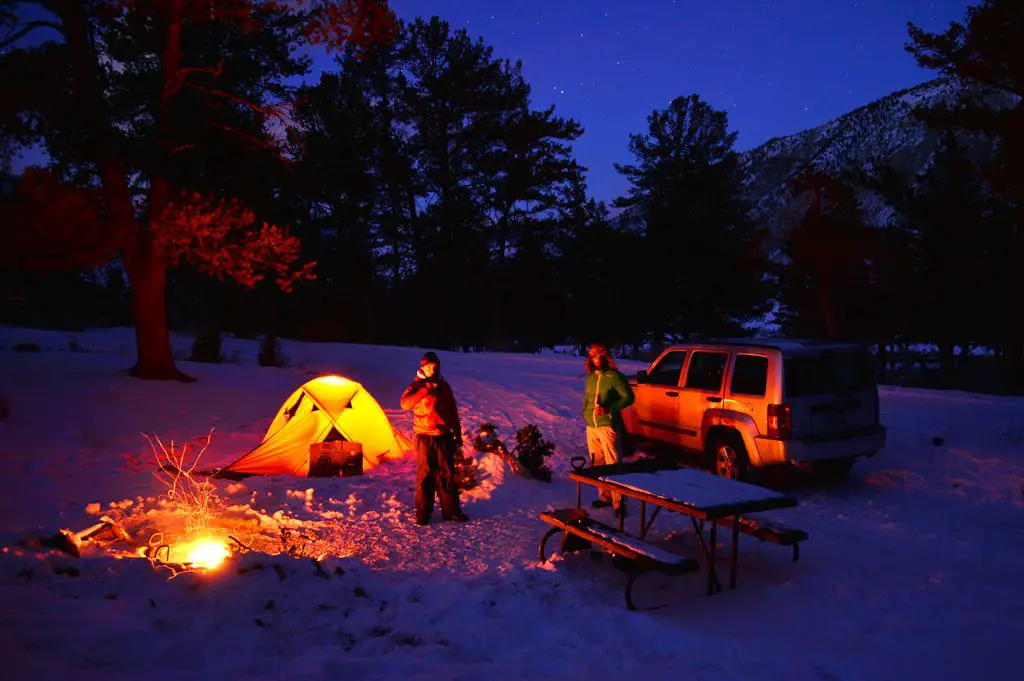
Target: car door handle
[(713, 399), (672, 393)]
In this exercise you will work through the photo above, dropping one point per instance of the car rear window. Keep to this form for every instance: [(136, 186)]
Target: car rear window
[(832, 372), (749, 375)]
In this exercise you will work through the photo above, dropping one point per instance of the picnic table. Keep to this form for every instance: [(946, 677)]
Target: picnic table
[(702, 496)]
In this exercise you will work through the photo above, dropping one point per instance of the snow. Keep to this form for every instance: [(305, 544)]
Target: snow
[(913, 568), (644, 548), (693, 488)]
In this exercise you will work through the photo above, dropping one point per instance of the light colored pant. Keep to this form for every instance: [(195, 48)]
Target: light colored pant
[(605, 446)]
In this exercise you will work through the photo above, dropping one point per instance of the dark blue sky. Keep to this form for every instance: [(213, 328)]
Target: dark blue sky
[(775, 66)]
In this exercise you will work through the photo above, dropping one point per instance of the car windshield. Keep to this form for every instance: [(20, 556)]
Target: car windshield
[(834, 372)]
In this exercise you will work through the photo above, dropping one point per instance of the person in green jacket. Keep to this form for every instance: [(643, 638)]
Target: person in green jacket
[(606, 394)]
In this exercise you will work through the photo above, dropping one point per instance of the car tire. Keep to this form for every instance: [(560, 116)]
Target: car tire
[(727, 458), (833, 469)]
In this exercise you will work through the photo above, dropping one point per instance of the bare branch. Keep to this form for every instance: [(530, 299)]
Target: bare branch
[(275, 111), (256, 142), (175, 148), (22, 30), (176, 83)]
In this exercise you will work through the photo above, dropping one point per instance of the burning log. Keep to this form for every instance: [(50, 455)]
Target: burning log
[(71, 542)]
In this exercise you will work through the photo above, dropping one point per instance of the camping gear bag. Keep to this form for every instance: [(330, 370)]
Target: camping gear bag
[(336, 458)]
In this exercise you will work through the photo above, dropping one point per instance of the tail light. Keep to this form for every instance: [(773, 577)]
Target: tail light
[(780, 421)]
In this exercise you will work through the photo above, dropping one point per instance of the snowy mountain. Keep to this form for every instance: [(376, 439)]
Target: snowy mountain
[(884, 130)]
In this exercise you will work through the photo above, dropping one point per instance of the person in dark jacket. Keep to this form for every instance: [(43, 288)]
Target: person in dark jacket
[(606, 394), (438, 433)]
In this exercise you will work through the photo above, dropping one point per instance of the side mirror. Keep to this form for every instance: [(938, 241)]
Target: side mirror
[(641, 376)]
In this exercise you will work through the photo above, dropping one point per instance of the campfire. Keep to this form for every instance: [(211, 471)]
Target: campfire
[(186, 533), (188, 528), (200, 553), (197, 546)]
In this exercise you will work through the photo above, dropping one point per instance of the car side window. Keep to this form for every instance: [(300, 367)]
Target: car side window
[(706, 371), (749, 375), (667, 370)]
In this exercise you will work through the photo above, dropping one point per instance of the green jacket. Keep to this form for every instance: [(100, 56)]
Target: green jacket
[(611, 388)]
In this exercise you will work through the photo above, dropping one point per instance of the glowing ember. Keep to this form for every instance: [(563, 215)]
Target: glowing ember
[(204, 553)]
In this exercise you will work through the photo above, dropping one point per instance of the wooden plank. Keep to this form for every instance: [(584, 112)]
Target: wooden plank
[(701, 494), (579, 523), (768, 530)]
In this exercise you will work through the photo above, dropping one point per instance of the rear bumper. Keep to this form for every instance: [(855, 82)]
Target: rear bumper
[(861, 442)]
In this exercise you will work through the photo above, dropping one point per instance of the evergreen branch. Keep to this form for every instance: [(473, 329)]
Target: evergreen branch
[(25, 29)]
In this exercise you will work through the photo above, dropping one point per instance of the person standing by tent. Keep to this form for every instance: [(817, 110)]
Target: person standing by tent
[(438, 433), (606, 394)]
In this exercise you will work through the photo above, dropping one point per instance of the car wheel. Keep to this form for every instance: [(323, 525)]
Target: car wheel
[(833, 469), (729, 459)]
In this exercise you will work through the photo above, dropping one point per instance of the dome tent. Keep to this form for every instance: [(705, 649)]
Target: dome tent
[(325, 409)]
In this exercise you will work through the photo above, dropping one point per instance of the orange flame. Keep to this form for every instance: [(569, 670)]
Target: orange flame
[(205, 552)]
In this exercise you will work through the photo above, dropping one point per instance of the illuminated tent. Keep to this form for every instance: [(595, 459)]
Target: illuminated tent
[(326, 409)]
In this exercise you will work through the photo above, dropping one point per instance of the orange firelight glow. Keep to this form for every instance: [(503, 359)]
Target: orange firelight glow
[(204, 553)]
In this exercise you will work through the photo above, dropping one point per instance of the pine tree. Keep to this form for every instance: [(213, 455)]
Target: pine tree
[(698, 240), (533, 451), (941, 212), (595, 267), (982, 50), (465, 470), (830, 257)]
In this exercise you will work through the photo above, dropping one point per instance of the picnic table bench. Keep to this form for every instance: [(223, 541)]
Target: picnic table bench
[(703, 497), (771, 531), (579, 531)]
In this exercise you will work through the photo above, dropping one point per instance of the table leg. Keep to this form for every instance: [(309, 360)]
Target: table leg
[(647, 526), (735, 551), (712, 574), (708, 556), (579, 496)]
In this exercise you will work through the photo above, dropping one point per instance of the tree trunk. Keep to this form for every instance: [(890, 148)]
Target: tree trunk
[(1013, 364), (145, 265), (147, 275), (883, 361), (828, 312), (946, 360)]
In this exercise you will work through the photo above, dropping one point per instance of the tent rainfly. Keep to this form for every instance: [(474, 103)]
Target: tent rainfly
[(326, 409)]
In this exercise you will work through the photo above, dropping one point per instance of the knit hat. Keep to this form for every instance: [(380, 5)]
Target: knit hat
[(430, 358)]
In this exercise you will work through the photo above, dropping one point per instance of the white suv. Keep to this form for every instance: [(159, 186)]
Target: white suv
[(749, 403)]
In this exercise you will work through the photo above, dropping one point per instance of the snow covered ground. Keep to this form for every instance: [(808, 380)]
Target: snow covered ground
[(913, 570)]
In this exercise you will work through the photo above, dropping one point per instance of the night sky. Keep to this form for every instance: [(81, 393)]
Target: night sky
[(777, 67)]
